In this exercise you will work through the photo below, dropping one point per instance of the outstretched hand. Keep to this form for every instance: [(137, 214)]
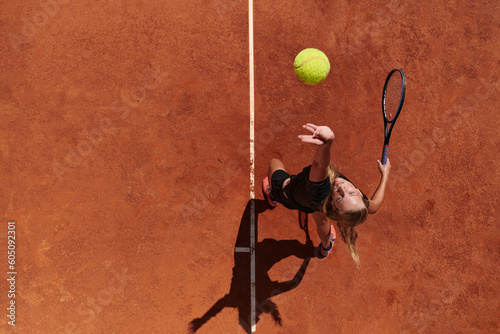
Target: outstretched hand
[(320, 134)]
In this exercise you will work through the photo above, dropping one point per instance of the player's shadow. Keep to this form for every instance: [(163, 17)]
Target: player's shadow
[(267, 253)]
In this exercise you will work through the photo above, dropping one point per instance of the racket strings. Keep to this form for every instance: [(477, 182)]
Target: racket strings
[(393, 96)]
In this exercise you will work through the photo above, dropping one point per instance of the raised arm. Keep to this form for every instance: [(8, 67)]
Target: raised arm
[(322, 136), (378, 195)]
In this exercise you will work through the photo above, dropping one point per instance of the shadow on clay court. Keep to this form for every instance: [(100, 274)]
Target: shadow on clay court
[(267, 253)]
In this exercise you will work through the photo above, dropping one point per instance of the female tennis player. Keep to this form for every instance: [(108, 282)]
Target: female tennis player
[(324, 192)]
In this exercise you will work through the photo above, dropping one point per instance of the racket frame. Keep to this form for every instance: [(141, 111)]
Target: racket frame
[(388, 130)]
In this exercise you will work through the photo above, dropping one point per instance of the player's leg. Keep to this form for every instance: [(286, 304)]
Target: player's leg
[(326, 232), (323, 228), (274, 165)]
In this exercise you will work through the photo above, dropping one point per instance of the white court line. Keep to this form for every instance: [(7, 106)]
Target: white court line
[(252, 169), (242, 249)]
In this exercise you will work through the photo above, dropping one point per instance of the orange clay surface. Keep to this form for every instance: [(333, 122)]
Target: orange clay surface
[(124, 160)]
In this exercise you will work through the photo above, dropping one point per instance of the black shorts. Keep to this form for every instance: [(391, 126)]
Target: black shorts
[(277, 194)]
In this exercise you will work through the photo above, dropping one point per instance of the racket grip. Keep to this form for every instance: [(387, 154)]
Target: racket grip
[(384, 154)]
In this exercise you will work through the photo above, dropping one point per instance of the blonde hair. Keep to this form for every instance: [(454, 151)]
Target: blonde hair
[(347, 220)]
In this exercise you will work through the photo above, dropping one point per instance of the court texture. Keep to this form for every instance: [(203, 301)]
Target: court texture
[(134, 137)]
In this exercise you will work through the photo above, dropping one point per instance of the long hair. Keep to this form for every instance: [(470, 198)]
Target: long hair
[(347, 220)]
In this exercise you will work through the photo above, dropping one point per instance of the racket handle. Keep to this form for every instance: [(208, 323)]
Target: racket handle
[(384, 154)]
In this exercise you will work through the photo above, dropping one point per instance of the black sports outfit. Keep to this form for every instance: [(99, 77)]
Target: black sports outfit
[(300, 193)]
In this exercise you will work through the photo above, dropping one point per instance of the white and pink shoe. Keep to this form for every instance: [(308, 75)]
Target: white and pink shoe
[(266, 189)]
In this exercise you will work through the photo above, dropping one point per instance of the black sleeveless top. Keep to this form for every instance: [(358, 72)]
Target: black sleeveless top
[(307, 196)]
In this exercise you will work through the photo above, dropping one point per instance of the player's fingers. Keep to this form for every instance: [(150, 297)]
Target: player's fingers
[(312, 126), (319, 133), (311, 140), (305, 138), (308, 128)]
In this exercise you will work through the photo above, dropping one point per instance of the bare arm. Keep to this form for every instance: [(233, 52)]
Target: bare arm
[(322, 136), (378, 195)]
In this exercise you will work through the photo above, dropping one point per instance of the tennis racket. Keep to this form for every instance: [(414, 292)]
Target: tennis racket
[(393, 98)]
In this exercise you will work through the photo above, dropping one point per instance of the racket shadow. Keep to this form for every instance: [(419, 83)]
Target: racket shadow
[(268, 252)]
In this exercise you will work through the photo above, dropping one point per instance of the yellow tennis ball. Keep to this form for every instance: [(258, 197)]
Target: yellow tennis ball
[(311, 66)]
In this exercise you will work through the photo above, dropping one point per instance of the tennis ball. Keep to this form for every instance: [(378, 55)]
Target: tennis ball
[(311, 66)]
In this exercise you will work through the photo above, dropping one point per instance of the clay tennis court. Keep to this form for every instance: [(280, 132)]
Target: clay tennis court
[(126, 166)]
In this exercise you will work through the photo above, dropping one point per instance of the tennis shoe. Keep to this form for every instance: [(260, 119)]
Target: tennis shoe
[(266, 189)]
